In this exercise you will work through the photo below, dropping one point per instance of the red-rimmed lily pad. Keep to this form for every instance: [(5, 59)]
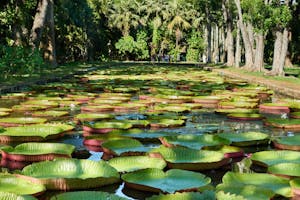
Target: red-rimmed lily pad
[(289, 143), (67, 174), (245, 116), (277, 184), (105, 127), (194, 141), (246, 139), (268, 158), (288, 170), (19, 186), (122, 147), (292, 124), (295, 115), (134, 163), (98, 108), (236, 104), (33, 133), (21, 121), (50, 113), (37, 151), (166, 123), (90, 195), (190, 159), (82, 117), (274, 108), (171, 181)]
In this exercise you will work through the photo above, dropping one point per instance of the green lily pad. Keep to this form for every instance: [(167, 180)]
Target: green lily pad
[(22, 120), (290, 142), (12, 196), (74, 173), (194, 141), (3, 114), (164, 123), (245, 116), (191, 159), (172, 108), (277, 184), (238, 104), (285, 169), (121, 146), (21, 108), (41, 103), (19, 186), (206, 195), (133, 163), (93, 116), (34, 149), (246, 139), (30, 133), (236, 110), (169, 182), (283, 123), (90, 195), (50, 113), (249, 192), (111, 124), (5, 110), (267, 158), (65, 127), (221, 195)]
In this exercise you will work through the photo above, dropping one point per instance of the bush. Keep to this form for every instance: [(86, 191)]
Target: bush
[(17, 61)]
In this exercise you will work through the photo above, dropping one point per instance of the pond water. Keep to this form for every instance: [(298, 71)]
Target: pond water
[(198, 121)]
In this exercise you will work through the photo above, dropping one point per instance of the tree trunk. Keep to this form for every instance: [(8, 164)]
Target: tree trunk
[(276, 69), (259, 53), (222, 45), (38, 23), (51, 35), (245, 36), (209, 29), (238, 47), (284, 50), (216, 44)]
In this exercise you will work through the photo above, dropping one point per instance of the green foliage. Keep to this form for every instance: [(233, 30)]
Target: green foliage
[(141, 45), (19, 61), (126, 45), (195, 46)]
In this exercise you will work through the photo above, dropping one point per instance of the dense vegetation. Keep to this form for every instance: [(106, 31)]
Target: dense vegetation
[(251, 33)]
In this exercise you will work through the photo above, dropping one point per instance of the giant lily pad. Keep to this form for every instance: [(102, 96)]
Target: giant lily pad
[(12, 196), (21, 121), (246, 139), (3, 114), (133, 163), (277, 184), (65, 174), (166, 123), (193, 141), (249, 192), (121, 146), (206, 195), (105, 127), (283, 123), (295, 184), (50, 113), (169, 182), (289, 143), (191, 159), (228, 151), (245, 116), (90, 195), (285, 169), (267, 158), (37, 151), (14, 184), (93, 116), (31, 133)]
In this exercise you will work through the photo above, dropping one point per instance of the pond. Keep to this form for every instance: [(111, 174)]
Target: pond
[(152, 109)]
